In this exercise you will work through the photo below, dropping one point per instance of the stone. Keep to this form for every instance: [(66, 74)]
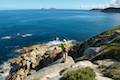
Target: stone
[(33, 66), (21, 72), (18, 77), (18, 61), (24, 62), (28, 65), (27, 58), (15, 60), (91, 51), (82, 64), (33, 54), (32, 71), (26, 72), (51, 71), (105, 62), (33, 60)]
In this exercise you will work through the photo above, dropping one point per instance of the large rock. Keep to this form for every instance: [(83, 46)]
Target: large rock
[(83, 64), (52, 71), (90, 52), (35, 49), (105, 62)]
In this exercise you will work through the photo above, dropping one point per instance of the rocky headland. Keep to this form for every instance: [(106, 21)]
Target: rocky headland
[(108, 10), (97, 58), (112, 10)]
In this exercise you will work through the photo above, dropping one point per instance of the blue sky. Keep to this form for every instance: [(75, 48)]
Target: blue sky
[(60, 4)]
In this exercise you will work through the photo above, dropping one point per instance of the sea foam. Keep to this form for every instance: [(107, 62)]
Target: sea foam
[(6, 37)]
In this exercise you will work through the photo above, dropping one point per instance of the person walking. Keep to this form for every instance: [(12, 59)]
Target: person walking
[(64, 47)]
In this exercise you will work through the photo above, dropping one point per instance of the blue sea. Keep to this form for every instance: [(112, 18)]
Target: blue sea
[(20, 28)]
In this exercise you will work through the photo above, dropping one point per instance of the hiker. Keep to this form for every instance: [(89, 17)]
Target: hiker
[(64, 47)]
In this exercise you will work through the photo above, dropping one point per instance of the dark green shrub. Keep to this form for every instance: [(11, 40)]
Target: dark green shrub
[(80, 74)]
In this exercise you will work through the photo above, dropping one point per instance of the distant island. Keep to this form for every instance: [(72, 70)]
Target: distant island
[(108, 10), (48, 9), (111, 9), (96, 9)]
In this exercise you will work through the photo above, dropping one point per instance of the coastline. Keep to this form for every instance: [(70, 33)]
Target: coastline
[(47, 56)]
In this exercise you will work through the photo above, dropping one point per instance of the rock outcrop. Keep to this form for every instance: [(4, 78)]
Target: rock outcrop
[(52, 71), (111, 10), (91, 51), (34, 58), (108, 10)]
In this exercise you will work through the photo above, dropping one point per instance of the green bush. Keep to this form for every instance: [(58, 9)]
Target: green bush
[(80, 74)]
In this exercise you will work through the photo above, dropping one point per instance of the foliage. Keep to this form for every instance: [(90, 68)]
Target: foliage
[(80, 74), (111, 30)]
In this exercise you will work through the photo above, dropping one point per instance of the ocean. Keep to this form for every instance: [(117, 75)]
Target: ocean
[(19, 28)]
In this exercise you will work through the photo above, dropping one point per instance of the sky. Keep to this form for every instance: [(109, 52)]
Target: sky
[(59, 4)]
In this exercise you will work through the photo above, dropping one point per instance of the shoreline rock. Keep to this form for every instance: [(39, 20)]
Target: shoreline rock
[(34, 58)]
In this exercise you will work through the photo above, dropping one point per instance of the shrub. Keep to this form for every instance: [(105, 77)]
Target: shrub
[(80, 74)]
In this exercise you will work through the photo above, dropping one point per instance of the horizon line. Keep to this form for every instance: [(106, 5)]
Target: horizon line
[(44, 9)]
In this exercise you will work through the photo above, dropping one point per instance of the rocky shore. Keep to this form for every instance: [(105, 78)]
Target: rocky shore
[(32, 59), (45, 61)]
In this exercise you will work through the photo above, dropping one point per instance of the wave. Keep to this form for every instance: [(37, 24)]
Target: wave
[(57, 42), (6, 37), (26, 35), (17, 35)]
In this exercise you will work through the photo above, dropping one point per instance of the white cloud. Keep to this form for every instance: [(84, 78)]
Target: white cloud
[(115, 3)]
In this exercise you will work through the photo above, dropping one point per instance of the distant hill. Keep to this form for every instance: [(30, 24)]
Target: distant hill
[(96, 9), (111, 9), (108, 10)]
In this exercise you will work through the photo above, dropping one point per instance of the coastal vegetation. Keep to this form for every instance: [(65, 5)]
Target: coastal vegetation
[(80, 74)]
